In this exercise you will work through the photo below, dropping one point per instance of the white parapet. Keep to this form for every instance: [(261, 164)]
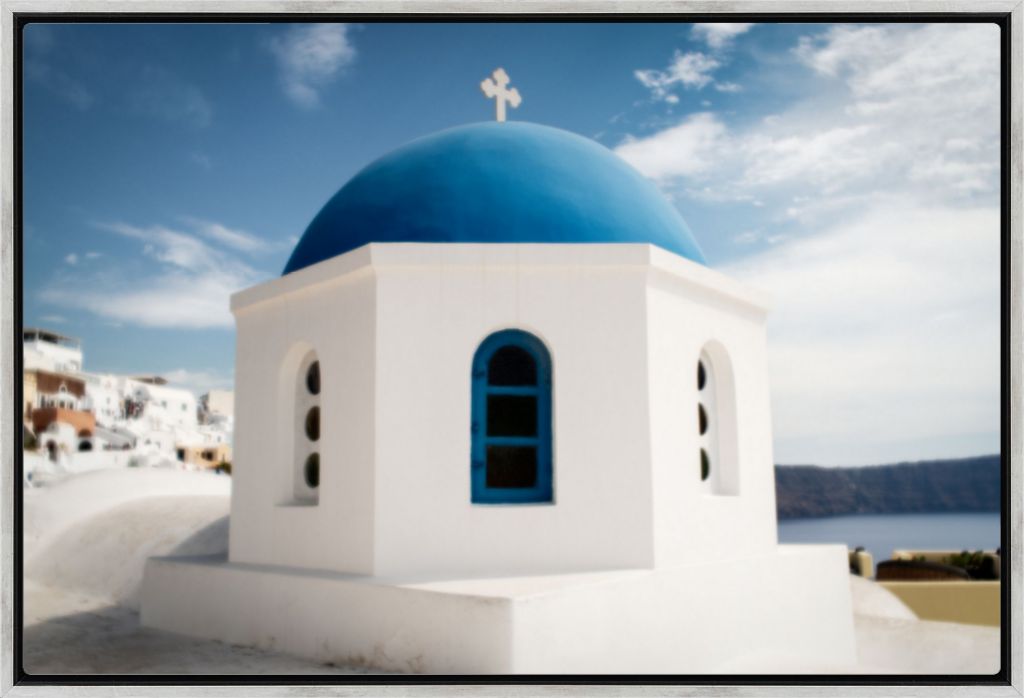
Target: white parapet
[(792, 606)]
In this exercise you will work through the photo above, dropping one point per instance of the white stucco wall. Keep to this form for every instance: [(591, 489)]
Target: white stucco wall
[(221, 402), (102, 397), (48, 356), (789, 608), (268, 524), (395, 327), (431, 319), (693, 310)]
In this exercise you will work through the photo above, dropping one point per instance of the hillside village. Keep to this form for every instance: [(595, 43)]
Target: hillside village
[(76, 420)]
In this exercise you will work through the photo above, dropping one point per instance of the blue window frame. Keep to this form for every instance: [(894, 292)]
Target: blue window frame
[(511, 420)]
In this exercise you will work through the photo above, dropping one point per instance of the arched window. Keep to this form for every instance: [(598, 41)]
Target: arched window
[(707, 418), (306, 457), (511, 420), (716, 421)]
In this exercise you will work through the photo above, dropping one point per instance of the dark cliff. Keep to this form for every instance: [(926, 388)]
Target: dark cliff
[(963, 484)]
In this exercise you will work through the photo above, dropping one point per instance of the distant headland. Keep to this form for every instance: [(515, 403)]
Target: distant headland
[(942, 486)]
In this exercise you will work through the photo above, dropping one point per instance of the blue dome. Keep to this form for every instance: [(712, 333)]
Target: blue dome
[(495, 182)]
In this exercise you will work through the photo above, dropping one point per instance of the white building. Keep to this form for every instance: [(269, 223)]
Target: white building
[(498, 416), (50, 351), (161, 404), (217, 405), (103, 397)]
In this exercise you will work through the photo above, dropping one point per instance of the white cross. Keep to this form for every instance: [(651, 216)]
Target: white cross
[(496, 89)]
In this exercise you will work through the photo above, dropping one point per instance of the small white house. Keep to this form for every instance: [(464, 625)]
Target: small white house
[(103, 397), (160, 403), (498, 416), (217, 405), (50, 351)]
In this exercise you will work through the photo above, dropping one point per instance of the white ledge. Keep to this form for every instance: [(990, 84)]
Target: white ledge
[(377, 257)]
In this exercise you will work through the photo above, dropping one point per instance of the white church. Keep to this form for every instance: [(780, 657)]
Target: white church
[(498, 416)]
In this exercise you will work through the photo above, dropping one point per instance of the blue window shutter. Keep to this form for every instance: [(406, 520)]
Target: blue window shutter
[(501, 464)]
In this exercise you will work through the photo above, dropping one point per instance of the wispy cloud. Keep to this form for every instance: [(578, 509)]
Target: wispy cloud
[(688, 70), (73, 258), (719, 35), (309, 57), (55, 319), (72, 91), (878, 238), (884, 338), (686, 150), (919, 113), (186, 286), (749, 237), (40, 43), (200, 381), (236, 239), (168, 97), (201, 159), (694, 70)]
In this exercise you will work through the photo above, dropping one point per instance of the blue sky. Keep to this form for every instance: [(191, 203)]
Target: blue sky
[(850, 171)]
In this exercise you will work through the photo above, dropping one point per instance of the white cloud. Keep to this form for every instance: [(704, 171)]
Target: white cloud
[(309, 56), (74, 258), (691, 70), (237, 239), (169, 246), (719, 35), (58, 83), (884, 185), (749, 237), (41, 41), (189, 287), (884, 337), (55, 319), (915, 110), (165, 96), (686, 150), (199, 382)]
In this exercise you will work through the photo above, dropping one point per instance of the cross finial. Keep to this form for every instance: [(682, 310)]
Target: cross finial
[(496, 89)]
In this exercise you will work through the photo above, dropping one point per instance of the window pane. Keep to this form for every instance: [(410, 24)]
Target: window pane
[(311, 471), (511, 466), (705, 465), (512, 365), (702, 376), (511, 415), (313, 423), (702, 419), (313, 378)]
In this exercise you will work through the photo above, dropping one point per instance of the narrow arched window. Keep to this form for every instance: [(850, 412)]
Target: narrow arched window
[(707, 418), (306, 457), (511, 459), (717, 439)]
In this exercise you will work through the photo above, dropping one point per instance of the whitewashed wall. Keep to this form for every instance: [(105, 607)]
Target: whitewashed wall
[(395, 328), (587, 305), (268, 525), (732, 515)]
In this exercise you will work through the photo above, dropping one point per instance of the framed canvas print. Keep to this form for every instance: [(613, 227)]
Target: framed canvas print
[(445, 344)]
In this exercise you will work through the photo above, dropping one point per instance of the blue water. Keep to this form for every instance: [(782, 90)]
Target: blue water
[(880, 534)]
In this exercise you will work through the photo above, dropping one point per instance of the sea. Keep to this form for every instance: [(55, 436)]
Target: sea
[(880, 534)]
